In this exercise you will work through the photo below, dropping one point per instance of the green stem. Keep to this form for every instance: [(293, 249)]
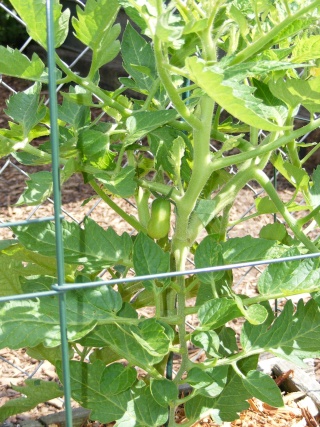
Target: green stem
[(209, 51), (269, 38), (82, 353), (224, 223), (287, 7), (216, 121), (41, 154), (142, 202), (172, 320), (227, 195), (153, 91), (171, 296), (237, 370), (223, 199), (292, 145), (254, 135), (310, 153), (157, 302), (172, 416), (128, 218), (166, 80), (158, 187), (187, 88), (302, 221), (209, 48), (180, 258), (229, 360), (265, 183), (201, 162), (263, 149), (257, 17), (234, 358), (94, 89), (276, 295), (261, 298), (184, 10), (120, 158)]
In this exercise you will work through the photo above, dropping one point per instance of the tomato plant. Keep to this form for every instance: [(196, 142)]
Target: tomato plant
[(218, 85)]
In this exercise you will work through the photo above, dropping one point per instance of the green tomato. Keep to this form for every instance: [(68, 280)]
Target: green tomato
[(159, 223)]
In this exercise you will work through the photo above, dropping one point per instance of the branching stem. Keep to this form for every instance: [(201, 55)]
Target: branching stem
[(128, 218), (265, 183)]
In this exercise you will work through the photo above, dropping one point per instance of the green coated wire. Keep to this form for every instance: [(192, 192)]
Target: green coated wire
[(54, 139), (28, 221)]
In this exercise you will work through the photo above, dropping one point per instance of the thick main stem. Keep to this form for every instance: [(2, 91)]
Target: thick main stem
[(200, 172), (185, 206), (181, 256), (201, 123)]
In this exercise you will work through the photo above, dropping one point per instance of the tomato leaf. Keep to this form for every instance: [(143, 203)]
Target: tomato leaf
[(164, 391), (39, 187), (25, 108), (143, 345), (234, 97), (33, 13), (292, 335), (226, 406), (94, 28), (138, 59), (291, 276), (149, 258), (92, 246), (14, 63), (141, 123), (121, 184), (263, 388), (31, 322), (209, 254), (34, 392), (218, 312)]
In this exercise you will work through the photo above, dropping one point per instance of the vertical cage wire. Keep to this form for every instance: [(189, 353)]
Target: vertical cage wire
[(54, 139)]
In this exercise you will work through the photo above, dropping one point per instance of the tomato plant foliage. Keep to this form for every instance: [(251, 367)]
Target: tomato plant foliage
[(212, 85)]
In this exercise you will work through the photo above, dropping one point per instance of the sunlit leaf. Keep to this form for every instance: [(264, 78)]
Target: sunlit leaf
[(26, 109), (121, 184), (292, 335), (238, 99), (33, 13), (92, 246), (39, 187), (94, 28), (14, 63), (290, 277), (31, 322), (218, 312), (263, 388)]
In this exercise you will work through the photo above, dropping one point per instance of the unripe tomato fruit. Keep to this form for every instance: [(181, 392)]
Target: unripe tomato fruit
[(159, 223)]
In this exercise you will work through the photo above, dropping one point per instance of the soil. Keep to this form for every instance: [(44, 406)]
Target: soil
[(16, 366)]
